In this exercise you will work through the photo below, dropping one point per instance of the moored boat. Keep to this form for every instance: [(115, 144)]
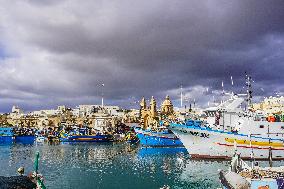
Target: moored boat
[(24, 135), (86, 138), (242, 176), (202, 142), (84, 135), (153, 130), (6, 135), (25, 139), (11, 135), (233, 125), (131, 137), (158, 138)]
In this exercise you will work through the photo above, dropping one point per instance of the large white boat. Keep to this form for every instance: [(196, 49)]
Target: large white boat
[(230, 128)]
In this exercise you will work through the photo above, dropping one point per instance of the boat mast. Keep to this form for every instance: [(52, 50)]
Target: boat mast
[(249, 91), (103, 94), (181, 97)]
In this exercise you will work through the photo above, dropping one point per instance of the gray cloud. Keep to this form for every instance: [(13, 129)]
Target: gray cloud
[(55, 52)]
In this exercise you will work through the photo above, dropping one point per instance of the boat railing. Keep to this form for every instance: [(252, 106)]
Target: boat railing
[(277, 134)]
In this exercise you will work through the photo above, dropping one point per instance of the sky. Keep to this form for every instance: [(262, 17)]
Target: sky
[(61, 52)]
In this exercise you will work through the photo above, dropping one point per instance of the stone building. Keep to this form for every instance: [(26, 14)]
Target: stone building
[(167, 108), (148, 115), (270, 105)]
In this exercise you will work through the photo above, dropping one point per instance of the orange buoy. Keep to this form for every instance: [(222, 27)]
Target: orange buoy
[(271, 119)]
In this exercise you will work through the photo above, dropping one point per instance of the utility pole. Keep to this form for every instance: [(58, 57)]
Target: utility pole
[(181, 97), (103, 94)]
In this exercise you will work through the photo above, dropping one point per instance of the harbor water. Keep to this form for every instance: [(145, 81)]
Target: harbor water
[(108, 165)]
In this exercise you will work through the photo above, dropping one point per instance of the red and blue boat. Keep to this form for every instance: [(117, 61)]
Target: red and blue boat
[(86, 138), (82, 135)]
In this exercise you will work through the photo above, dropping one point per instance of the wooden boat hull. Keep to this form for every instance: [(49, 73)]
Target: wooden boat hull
[(87, 138)]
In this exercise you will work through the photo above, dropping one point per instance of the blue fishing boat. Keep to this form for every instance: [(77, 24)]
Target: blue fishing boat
[(24, 135), (160, 138), (25, 139), (10, 135), (6, 135)]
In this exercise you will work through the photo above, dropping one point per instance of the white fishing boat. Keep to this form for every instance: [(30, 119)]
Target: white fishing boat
[(216, 144), (229, 126)]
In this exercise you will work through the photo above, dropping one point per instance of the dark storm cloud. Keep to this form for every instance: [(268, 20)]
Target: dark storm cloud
[(67, 49)]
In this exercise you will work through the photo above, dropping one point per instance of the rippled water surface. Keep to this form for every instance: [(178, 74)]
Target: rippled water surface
[(120, 166)]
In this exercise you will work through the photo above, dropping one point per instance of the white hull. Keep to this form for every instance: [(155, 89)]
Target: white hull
[(214, 144)]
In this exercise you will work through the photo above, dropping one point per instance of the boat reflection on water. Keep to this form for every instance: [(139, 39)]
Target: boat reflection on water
[(189, 173), (153, 151), (202, 173)]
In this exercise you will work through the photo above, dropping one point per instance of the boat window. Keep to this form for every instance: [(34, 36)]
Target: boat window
[(282, 127), (261, 126)]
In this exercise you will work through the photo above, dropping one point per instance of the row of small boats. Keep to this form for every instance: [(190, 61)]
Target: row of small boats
[(8, 135)]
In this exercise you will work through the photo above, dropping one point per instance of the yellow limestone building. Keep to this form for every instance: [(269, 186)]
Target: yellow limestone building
[(149, 118), (167, 108)]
